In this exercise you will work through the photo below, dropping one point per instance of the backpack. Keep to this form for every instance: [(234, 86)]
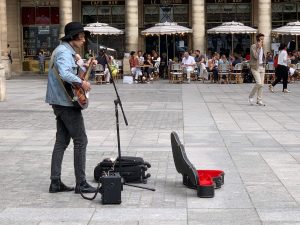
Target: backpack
[(276, 61)]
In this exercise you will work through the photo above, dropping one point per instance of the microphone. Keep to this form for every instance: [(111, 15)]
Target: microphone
[(110, 49), (104, 48)]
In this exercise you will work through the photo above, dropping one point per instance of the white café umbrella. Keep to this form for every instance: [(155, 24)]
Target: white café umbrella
[(292, 28), (166, 28), (232, 28), (102, 29)]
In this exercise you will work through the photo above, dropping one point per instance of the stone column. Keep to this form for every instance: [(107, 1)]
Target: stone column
[(2, 72), (3, 26), (131, 25), (198, 25), (265, 21), (65, 15)]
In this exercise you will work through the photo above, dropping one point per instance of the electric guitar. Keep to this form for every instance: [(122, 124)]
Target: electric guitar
[(80, 96)]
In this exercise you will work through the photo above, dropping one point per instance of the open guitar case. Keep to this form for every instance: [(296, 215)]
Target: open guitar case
[(204, 181)]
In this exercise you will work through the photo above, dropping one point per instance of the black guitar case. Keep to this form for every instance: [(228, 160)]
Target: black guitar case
[(133, 169)]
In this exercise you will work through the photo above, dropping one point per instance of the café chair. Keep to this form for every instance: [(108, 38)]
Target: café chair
[(176, 73), (223, 72), (270, 73), (99, 74), (236, 74)]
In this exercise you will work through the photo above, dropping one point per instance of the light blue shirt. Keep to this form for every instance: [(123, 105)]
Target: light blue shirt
[(64, 61)]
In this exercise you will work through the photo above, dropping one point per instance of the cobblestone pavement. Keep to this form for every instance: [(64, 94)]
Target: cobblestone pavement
[(257, 147)]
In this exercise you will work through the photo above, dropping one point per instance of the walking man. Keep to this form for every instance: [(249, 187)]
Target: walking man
[(257, 65)]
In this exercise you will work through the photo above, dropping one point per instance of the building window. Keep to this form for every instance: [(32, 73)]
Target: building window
[(162, 11), (110, 12), (283, 12), (39, 38), (40, 30), (218, 13), (40, 15)]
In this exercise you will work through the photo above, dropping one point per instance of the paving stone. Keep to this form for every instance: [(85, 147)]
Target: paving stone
[(282, 215), (223, 216), (257, 147)]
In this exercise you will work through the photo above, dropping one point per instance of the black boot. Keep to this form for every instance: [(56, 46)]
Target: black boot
[(59, 186), (84, 187)]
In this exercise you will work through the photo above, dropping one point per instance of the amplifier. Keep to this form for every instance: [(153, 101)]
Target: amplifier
[(111, 189)]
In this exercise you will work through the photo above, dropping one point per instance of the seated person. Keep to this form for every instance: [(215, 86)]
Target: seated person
[(203, 74), (188, 64), (235, 61), (103, 61), (294, 58), (224, 60), (247, 56), (199, 59), (212, 65), (156, 59), (149, 67), (269, 58), (140, 57), (135, 66)]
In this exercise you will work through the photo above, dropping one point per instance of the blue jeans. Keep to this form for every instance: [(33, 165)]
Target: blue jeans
[(69, 124)]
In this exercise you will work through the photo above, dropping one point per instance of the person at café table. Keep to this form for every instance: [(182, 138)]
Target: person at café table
[(188, 64), (213, 64), (134, 66), (140, 57), (148, 67)]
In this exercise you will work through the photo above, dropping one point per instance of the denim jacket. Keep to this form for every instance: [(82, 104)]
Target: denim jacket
[(64, 61)]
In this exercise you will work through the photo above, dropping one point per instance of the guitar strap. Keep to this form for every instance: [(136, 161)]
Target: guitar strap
[(51, 65)]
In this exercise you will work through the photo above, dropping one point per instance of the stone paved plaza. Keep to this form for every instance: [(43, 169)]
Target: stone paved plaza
[(257, 147)]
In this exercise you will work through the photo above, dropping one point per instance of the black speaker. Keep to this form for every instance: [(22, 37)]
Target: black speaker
[(111, 189)]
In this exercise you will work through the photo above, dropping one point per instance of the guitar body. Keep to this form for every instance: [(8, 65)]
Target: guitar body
[(80, 96)]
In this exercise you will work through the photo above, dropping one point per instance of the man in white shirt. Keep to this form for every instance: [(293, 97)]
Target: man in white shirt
[(188, 64)]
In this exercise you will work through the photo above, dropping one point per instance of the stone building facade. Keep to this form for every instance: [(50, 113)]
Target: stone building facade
[(30, 26)]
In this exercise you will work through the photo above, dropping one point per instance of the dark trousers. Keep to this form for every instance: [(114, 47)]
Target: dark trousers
[(215, 74), (281, 72), (69, 124), (148, 71)]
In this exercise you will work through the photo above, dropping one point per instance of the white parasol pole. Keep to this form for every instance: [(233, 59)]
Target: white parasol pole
[(173, 47), (158, 43), (167, 48), (97, 45), (232, 44)]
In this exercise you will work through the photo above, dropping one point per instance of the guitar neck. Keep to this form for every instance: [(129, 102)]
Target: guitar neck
[(87, 74)]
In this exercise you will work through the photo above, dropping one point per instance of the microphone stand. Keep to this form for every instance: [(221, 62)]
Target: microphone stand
[(119, 102)]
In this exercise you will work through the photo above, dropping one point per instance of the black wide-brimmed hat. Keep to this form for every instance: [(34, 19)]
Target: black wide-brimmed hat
[(72, 29)]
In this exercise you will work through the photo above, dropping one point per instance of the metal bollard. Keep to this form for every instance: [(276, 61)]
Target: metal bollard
[(2, 83)]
